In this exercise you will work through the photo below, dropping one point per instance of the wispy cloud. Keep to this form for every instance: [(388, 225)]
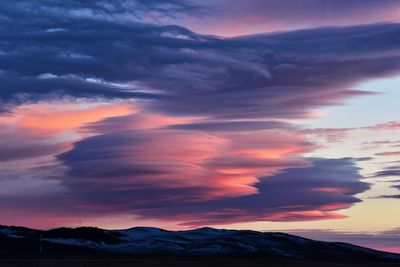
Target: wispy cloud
[(387, 240), (388, 153)]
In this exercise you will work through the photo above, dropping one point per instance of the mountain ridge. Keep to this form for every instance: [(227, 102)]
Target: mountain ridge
[(205, 241)]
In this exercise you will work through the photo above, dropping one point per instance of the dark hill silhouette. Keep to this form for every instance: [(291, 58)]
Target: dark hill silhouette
[(90, 242)]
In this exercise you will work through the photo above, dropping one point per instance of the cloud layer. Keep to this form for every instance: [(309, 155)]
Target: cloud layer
[(269, 15), (181, 72), (122, 116), (388, 240)]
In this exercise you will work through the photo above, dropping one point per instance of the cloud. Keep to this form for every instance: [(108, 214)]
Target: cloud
[(388, 153), (387, 240), (58, 117), (150, 155), (380, 144), (138, 166), (203, 134), (331, 134), (389, 171), (46, 129), (31, 137), (227, 126), (392, 125), (30, 13), (269, 15), (16, 145), (389, 196), (176, 71), (31, 195), (296, 194), (197, 179)]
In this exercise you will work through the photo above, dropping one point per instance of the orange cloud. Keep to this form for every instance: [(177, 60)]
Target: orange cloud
[(50, 119), (36, 133)]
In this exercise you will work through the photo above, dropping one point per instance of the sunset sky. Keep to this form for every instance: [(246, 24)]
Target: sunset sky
[(272, 115)]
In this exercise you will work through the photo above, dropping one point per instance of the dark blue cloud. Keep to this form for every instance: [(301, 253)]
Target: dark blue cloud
[(390, 171), (386, 172), (39, 14), (89, 51)]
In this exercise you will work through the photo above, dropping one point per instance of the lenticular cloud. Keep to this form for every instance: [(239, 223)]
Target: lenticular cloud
[(162, 123)]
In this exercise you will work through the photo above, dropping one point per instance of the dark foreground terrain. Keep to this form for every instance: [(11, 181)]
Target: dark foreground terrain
[(187, 262), (146, 246)]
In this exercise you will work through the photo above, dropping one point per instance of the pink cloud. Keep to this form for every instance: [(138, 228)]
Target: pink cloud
[(136, 163), (268, 15), (392, 125), (146, 153), (388, 153)]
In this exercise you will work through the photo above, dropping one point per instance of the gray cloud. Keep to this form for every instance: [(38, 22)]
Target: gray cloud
[(226, 126), (16, 145), (390, 171)]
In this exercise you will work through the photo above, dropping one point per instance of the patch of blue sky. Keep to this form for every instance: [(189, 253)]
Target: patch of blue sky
[(364, 110)]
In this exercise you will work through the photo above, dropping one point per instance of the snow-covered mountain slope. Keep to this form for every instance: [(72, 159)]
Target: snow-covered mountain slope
[(202, 241)]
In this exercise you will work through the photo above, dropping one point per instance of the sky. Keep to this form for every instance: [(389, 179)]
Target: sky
[(261, 114)]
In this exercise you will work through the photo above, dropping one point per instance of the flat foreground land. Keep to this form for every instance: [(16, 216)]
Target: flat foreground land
[(181, 263)]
